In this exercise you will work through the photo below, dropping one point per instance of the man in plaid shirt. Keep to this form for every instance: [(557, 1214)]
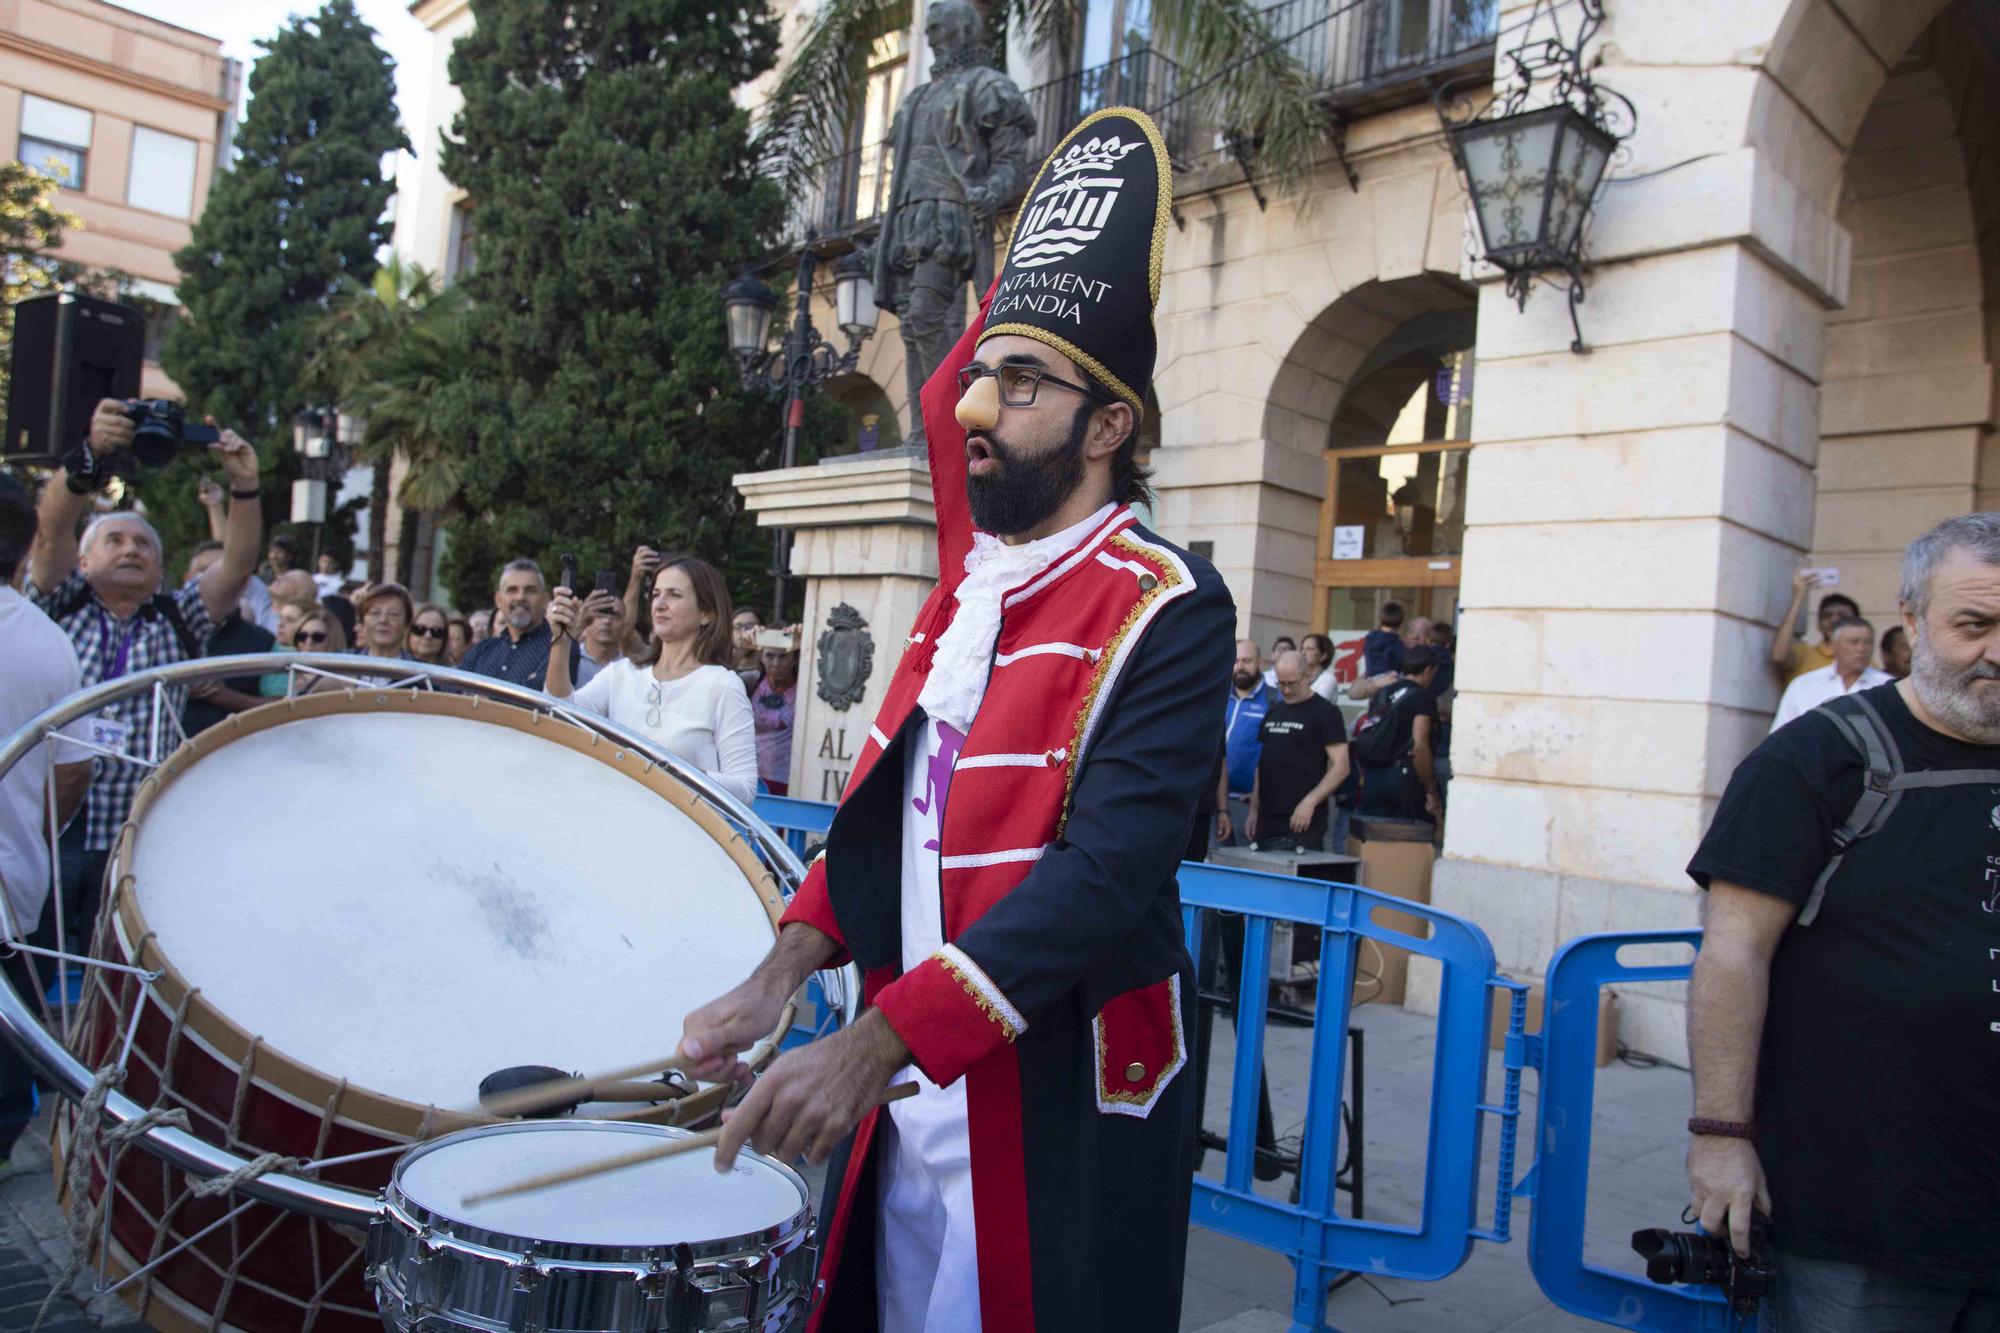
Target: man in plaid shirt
[(104, 591)]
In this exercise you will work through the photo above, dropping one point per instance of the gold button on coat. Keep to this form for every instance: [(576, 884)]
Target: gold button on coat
[(1134, 1072)]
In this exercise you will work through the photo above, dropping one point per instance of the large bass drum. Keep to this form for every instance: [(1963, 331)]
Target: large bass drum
[(359, 905)]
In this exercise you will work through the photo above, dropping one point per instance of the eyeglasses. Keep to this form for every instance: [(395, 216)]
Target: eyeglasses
[(653, 705), (1020, 383), (303, 637), (427, 631)]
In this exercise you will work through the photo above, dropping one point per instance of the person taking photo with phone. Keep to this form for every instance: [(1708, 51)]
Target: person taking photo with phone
[(680, 691), (1791, 655)]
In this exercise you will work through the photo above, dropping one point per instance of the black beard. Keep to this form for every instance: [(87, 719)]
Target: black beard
[(1244, 679), (1019, 496)]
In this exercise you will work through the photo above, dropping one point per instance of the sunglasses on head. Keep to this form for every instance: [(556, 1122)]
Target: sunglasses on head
[(318, 636), (427, 631)]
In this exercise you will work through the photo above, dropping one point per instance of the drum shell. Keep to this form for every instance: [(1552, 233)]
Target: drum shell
[(432, 1273), (253, 1098)]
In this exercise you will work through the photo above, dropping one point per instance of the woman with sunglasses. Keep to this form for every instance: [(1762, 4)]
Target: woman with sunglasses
[(320, 633), (428, 633), (679, 690)]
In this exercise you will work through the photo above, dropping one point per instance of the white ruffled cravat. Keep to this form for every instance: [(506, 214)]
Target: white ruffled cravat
[(964, 655)]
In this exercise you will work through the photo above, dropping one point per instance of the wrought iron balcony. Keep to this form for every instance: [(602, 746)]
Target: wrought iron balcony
[(1355, 52)]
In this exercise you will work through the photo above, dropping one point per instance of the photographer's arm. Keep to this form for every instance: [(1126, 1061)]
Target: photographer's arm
[(243, 534), (1726, 1003), (66, 498)]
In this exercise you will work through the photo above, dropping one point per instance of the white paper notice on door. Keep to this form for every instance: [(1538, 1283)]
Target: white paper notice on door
[(1347, 541)]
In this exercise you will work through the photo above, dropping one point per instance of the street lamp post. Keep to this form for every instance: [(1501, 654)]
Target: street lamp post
[(803, 360), (1532, 167), (314, 439)]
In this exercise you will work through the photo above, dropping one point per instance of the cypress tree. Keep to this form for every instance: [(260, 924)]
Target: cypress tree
[(615, 191), (301, 209)]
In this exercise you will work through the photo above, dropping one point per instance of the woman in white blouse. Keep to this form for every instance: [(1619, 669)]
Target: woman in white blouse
[(678, 690)]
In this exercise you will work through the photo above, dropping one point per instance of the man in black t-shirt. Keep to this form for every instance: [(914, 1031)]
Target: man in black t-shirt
[(1847, 1057), (1303, 758), (1406, 787)]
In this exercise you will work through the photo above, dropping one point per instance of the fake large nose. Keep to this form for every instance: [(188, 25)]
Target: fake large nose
[(979, 406)]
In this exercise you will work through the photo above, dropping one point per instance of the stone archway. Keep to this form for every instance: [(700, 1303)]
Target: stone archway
[(1264, 315), (1907, 393)]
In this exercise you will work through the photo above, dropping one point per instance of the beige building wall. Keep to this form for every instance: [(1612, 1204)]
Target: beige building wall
[(130, 72), (1907, 413)]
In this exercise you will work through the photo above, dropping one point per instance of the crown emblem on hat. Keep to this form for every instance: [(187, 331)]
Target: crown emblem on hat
[(1094, 155)]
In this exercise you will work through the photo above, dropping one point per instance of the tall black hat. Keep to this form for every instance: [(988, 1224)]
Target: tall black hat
[(1083, 267)]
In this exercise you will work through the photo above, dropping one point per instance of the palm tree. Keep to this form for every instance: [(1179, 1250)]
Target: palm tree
[(391, 351), (1234, 73)]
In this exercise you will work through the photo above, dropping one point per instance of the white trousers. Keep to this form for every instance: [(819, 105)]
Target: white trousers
[(927, 1256)]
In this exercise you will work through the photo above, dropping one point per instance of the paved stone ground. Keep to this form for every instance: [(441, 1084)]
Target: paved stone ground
[(1231, 1287), (1637, 1181), (34, 1246)]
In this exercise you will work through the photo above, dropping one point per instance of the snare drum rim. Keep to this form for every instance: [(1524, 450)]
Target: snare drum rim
[(369, 1109), (402, 1210)]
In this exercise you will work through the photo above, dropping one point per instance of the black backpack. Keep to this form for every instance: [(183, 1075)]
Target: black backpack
[(1881, 787), (1373, 744)]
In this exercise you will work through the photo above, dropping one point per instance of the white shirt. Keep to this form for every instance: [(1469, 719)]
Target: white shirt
[(328, 584), (1813, 688), (927, 1257), (38, 669), (704, 717), (1325, 685)]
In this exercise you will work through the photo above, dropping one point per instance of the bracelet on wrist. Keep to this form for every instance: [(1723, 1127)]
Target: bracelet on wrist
[(1722, 1129), (250, 494)]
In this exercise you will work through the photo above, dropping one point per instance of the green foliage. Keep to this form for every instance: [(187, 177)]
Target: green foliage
[(395, 352), (31, 226), (617, 192), (301, 211)]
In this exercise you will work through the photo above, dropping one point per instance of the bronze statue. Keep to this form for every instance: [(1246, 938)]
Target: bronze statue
[(961, 144)]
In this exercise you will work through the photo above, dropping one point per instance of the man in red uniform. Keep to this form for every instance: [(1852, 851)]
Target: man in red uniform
[(1002, 863)]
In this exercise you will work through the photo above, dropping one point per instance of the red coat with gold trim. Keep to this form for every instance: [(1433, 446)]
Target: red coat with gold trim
[(1064, 992)]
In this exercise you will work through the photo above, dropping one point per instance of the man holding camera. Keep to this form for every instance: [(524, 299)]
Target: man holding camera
[(1844, 1016), (104, 591)]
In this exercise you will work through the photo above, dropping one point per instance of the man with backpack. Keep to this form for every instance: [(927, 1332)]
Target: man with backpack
[(104, 592), (1844, 1015), (1392, 743)]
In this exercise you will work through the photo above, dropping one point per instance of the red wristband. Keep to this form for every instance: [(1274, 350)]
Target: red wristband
[(1721, 1129)]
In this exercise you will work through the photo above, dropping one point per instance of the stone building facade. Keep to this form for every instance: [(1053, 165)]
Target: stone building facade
[(135, 116), (1794, 273)]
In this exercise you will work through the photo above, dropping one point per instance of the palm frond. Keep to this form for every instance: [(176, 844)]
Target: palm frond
[(1245, 80), (804, 126), (1051, 24)]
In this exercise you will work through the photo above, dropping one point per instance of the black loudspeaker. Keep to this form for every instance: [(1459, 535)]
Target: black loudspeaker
[(70, 351)]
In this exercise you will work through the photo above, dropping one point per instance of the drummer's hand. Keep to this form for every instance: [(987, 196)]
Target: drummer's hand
[(715, 1034), (812, 1097)]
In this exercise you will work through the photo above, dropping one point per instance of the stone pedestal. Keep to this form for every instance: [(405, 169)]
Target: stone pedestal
[(865, 542)]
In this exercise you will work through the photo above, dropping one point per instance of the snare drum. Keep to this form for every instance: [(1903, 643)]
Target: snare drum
[(360, 905), (668, 1246)]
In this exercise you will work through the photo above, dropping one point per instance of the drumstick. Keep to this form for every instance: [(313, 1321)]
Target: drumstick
[(563, 1091), (706, 1139), (558, 1091)]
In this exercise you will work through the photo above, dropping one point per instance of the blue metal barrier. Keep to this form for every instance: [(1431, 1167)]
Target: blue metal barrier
[(1565, 1057), (800, 821), (1321, 1243)]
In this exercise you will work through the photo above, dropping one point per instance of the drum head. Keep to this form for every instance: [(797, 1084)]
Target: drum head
[(672, 1201), (408, 893)]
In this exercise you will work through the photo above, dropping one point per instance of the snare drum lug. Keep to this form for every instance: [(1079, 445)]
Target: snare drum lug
[(529, 1277)]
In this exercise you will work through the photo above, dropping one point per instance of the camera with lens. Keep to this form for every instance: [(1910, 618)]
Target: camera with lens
[(159, 432), (159, 429), (1689, 1256)]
